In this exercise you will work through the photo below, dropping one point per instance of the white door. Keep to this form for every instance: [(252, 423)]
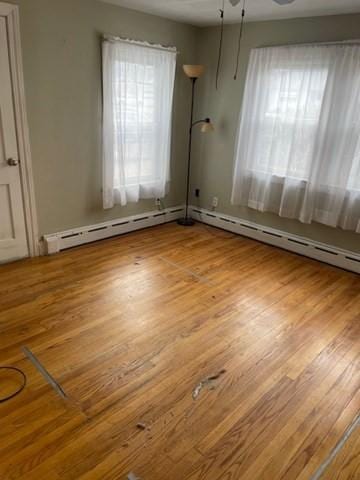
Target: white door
[(13, 241)]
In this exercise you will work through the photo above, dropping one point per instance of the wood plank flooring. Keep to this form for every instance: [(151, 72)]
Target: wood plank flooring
[(129, 326)]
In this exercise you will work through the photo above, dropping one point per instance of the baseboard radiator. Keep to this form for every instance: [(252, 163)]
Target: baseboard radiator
[(301, 245), (78, 236), (304, 246)]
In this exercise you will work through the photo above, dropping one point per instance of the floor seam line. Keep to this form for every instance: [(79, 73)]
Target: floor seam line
[(338, 447), (46, 375), (201, 279)]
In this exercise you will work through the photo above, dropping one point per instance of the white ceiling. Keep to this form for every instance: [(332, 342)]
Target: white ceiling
[(206, 12)]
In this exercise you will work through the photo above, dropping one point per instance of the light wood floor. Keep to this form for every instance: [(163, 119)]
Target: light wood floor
[(131, 325)]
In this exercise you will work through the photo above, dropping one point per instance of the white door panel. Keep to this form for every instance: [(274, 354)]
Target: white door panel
[(13, 241)]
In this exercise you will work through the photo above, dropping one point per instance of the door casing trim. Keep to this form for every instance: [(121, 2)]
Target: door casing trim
[(11, 14)]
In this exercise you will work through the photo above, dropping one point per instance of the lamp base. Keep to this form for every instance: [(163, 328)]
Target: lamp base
[(186, 222)]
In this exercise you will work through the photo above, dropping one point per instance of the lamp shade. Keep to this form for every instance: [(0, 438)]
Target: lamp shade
[(193, 71), (207, 127)]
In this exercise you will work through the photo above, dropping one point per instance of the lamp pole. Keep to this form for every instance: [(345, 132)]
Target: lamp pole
[(193, 72), (187, 221)]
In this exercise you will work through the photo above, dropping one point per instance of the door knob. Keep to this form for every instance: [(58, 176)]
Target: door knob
[(12, 162)]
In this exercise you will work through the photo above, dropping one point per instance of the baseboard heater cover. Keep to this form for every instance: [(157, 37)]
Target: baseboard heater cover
[(301, 245), (56, 242)]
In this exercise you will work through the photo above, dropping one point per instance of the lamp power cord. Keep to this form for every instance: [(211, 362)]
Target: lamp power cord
[(20, 389)]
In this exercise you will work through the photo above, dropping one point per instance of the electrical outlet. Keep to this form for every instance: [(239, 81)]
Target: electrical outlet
[(197, 192), (215, 202)]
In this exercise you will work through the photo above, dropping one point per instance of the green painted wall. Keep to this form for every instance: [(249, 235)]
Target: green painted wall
[(213, 154), (62, 69)]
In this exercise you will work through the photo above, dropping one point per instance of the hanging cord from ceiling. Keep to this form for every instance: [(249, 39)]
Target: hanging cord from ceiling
[(239, 41), (222, 13), (21, 387)]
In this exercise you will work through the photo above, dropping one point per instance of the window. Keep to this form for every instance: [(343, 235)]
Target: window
[(138, 83), (298, 146), (288, 104)]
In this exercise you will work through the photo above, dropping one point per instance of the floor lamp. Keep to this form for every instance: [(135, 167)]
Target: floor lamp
[(193, 72)]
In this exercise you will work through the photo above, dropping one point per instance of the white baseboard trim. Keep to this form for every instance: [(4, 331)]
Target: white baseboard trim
[(304, 246), (56, 242)]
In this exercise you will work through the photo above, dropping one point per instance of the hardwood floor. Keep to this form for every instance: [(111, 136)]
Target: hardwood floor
[(129, 326)]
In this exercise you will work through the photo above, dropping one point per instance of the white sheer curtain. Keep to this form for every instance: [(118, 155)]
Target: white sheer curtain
[(298, 144), (138, 84)]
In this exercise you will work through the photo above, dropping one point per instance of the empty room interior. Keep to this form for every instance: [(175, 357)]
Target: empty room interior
[(180, 240)]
